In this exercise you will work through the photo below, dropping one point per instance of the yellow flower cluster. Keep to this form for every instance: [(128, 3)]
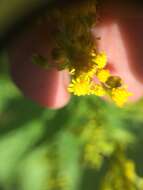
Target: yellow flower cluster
[(100, 60), (103, 75), (97, 146), (98, 90), (97, 80), (79, 87), (75, 49), (120, 96), (122, 174), (130, 172)]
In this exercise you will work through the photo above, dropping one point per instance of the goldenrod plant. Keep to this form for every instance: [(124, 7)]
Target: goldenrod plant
[(75, 50), (122, 174), (80, 147), (90, 144)]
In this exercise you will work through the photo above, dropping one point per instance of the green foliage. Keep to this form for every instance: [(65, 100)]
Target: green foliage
[(89, 144)]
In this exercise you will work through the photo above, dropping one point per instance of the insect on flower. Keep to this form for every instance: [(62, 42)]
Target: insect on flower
[(75, 49)]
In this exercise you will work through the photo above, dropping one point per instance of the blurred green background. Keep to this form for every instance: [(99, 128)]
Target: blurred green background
[(88, 145)]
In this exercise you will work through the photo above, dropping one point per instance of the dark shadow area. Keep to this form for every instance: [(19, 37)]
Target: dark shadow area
[(1, 188), (4, 68), (92, 179)]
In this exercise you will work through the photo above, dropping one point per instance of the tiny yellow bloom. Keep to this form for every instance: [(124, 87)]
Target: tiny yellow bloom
[(98, 90), (80, 87), (103, 75), (100, 60), (120, 96), (130, 170), (92, 157), (90, 73)]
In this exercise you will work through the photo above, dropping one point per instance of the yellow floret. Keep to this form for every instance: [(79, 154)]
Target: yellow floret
[(103, 75), (90, 73), (98, 90), (90, 155), (80, 87), (130, 170), (100, 60), (120, 96)]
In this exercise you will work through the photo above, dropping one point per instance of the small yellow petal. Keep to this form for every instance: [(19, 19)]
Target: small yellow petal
[(120, 96), (98, 90), (90, 73), (130, 170), (80, 87), (100, 60), (103, 75)]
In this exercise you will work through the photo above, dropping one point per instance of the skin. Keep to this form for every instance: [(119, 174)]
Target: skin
[(120, 27)]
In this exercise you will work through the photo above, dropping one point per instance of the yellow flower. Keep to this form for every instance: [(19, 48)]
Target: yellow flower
[(98, 90), (80, 86), (90, 73), (130, 170), (120, 96), (100, 60), (91, 156), (103, 75)]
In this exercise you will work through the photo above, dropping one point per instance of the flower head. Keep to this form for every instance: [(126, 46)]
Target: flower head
[(103, 75), (89, 74), (98, 90), (79, 87), (100, 60), (120, 96), (130, 170), (74, 49)]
